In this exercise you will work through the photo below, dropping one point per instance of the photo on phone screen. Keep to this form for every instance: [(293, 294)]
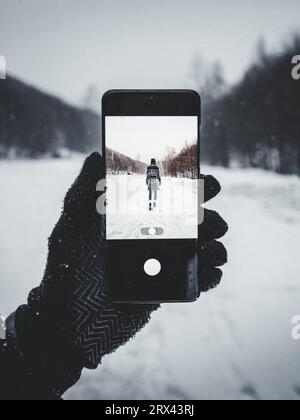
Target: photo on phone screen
[(152, 177)]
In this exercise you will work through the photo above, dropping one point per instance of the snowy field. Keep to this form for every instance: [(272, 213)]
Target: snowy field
[(235, 343), (128, 215)]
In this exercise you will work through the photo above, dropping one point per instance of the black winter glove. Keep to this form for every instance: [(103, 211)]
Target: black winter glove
[(70, 321)]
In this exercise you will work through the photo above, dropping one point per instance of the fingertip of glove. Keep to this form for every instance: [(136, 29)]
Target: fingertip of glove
[(213, 254), (94, 156), (212, 187), (83, 193), (212, 227), (209, 279), (94, 165)]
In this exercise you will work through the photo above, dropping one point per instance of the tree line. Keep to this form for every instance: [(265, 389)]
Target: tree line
[(183, 164), (256, 123), (117, 163)]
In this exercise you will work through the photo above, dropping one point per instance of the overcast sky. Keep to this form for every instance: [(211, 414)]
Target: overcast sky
[(144, 138), (63, 46)]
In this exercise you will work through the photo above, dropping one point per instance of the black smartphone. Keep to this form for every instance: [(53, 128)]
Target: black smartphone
[(151, 148)]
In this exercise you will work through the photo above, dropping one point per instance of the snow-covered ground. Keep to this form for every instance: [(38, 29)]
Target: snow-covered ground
[(128, 215), (235, 342)]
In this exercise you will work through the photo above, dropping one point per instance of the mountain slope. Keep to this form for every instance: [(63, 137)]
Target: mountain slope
[(33, 123), (117, 162)]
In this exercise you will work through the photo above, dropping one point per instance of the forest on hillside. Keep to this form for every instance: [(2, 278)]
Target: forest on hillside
[(117, 162), (256, 123), (183, 164), (34, 124)]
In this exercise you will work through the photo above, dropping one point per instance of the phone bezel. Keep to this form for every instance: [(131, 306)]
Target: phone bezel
[(152, 103)]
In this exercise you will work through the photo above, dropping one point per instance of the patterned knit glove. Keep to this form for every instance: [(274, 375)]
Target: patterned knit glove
[(70, 321)]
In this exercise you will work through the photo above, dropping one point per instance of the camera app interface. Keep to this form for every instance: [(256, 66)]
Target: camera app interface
[(152, 177)]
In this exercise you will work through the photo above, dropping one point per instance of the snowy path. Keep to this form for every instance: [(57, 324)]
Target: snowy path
[(175, 216), (234, 343)]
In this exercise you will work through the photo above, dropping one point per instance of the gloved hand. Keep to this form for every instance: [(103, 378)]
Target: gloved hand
[(70, 321)]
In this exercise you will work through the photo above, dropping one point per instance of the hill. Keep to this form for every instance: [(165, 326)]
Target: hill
[(33, 123), (116, 162)]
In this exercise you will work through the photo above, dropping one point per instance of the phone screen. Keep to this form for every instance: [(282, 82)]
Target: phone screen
[(152, 177)]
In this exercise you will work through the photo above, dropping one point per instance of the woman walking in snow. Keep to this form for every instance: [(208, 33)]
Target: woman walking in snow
[(153, 181)]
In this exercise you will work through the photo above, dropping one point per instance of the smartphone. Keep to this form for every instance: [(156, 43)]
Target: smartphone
[(151, 148)]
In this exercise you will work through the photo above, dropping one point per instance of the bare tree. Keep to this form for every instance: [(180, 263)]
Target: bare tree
[(208, 78), (91, 99), (184, 164)]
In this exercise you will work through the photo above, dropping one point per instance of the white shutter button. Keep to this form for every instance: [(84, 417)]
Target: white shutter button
[(152, 267)]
